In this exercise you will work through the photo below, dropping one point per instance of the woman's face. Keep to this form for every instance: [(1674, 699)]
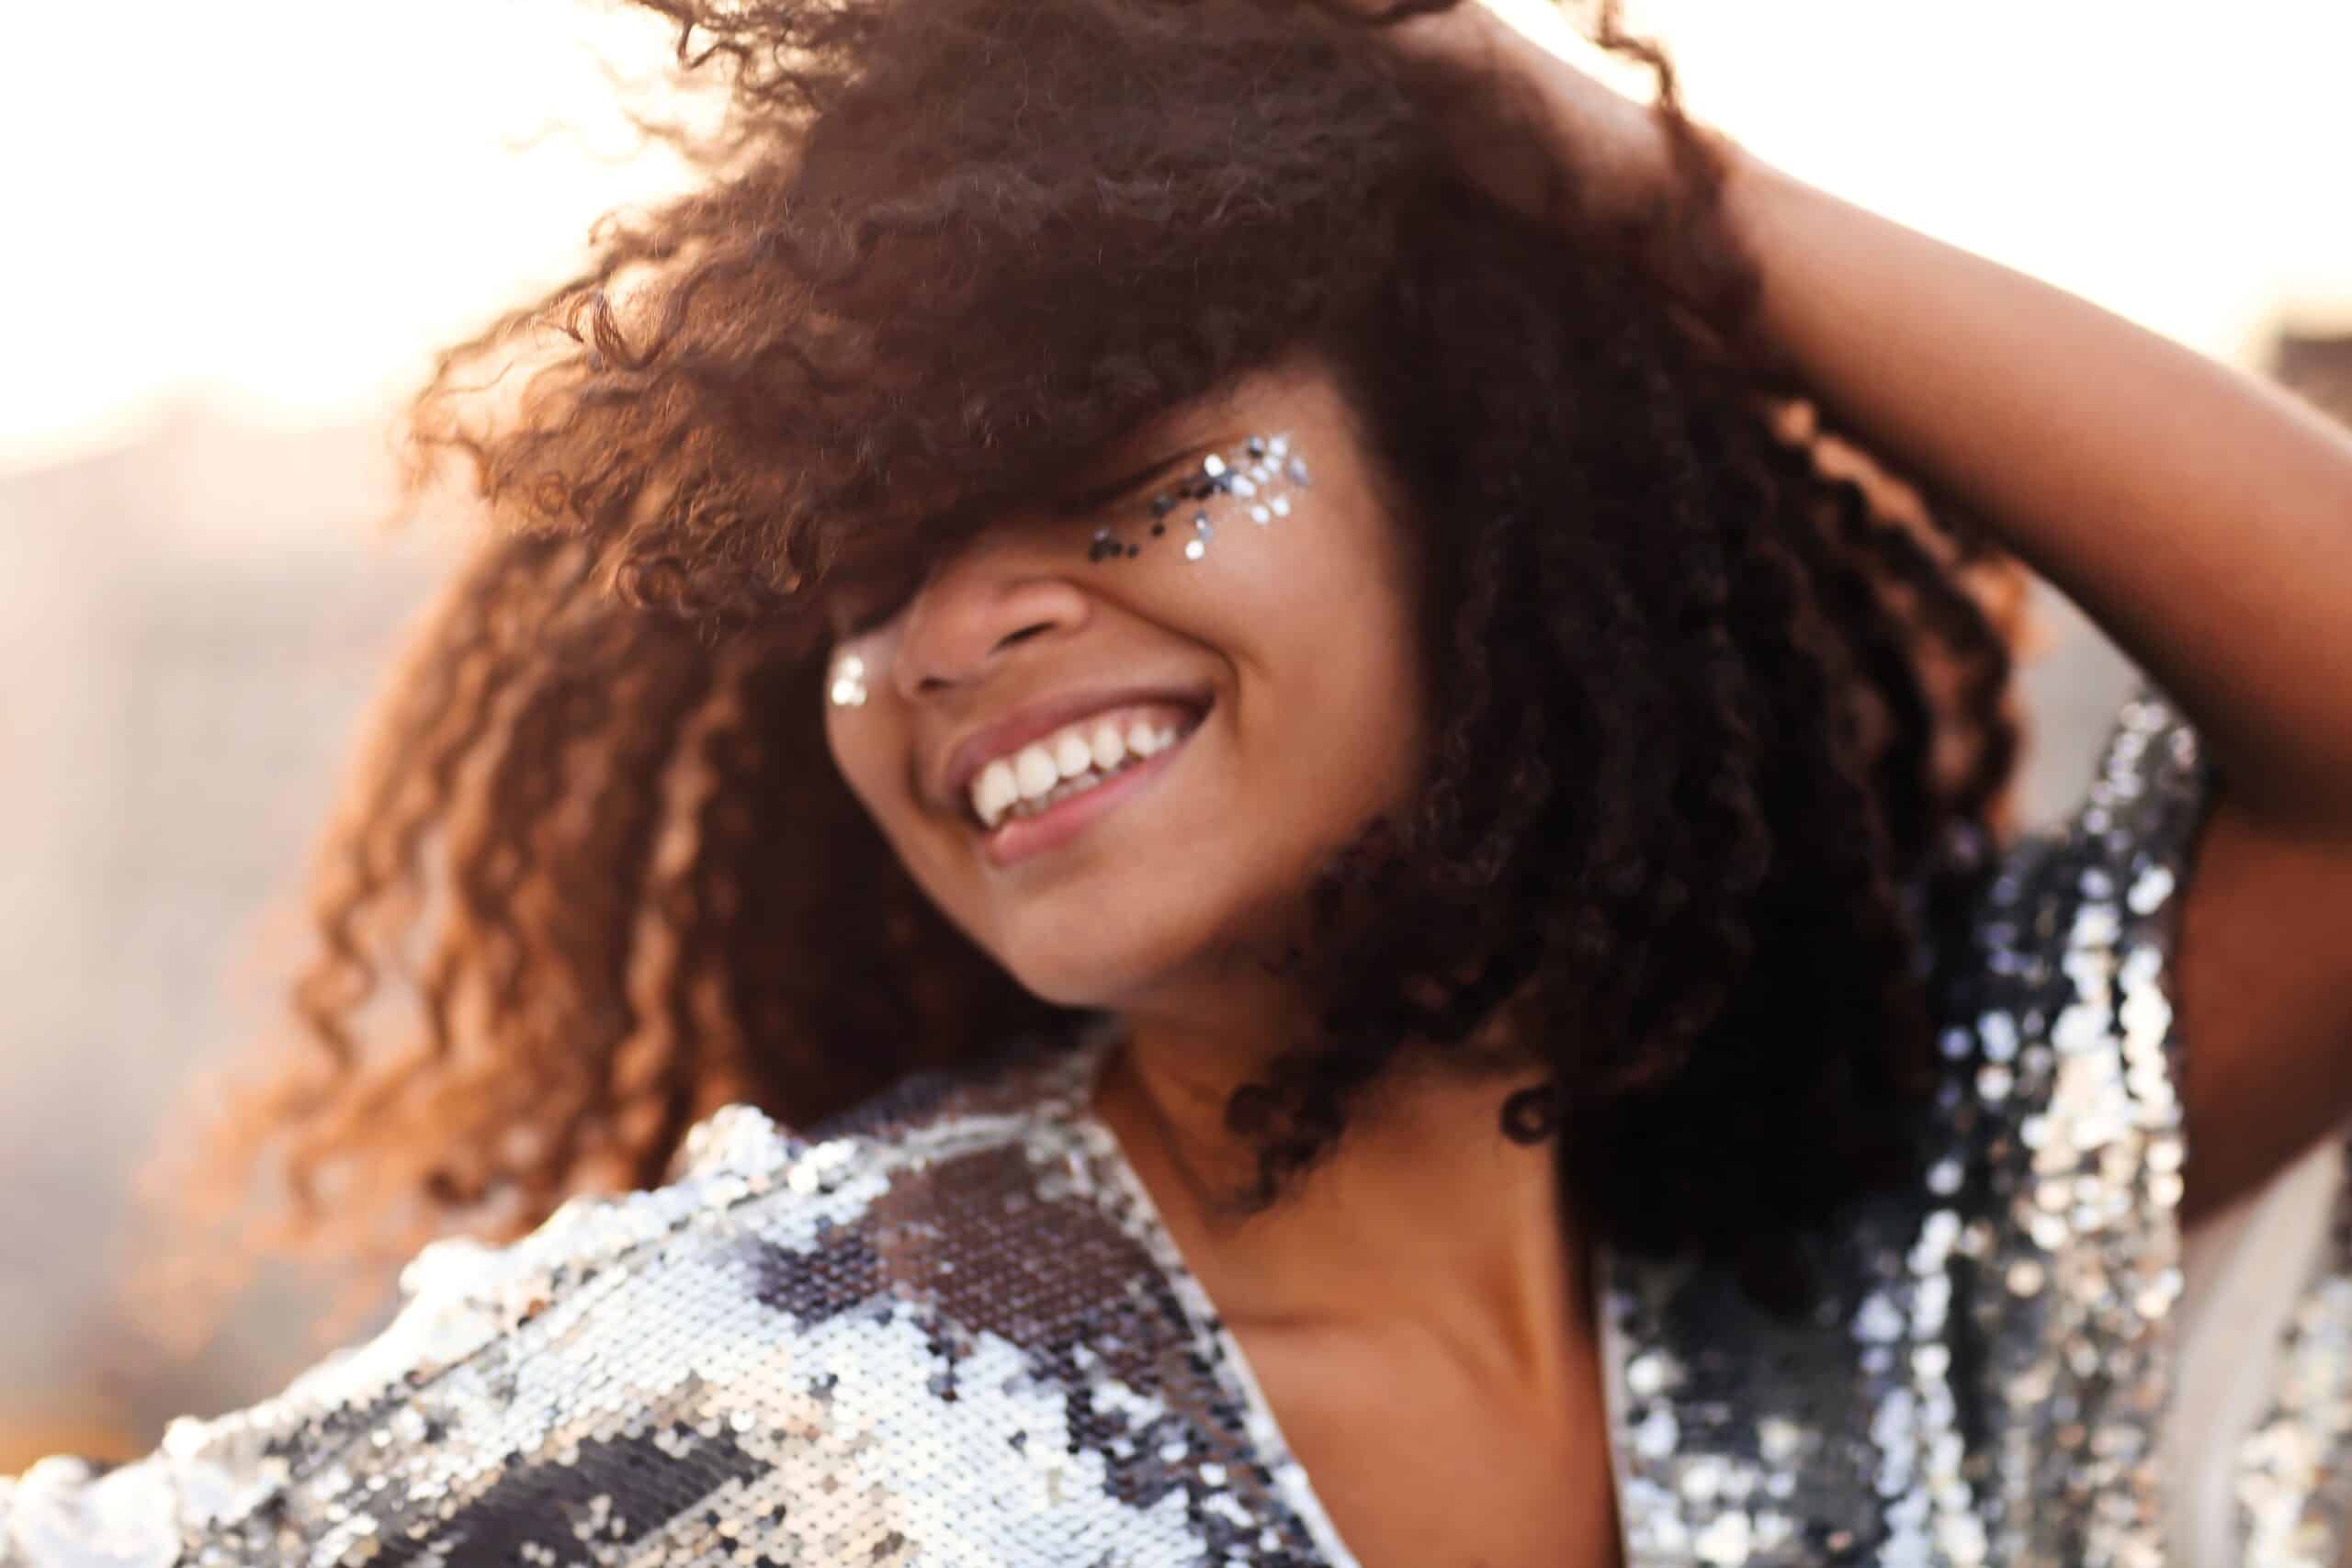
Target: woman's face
[(1114, 741)]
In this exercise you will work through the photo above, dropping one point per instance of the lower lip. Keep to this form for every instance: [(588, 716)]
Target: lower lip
[(1022, 836)]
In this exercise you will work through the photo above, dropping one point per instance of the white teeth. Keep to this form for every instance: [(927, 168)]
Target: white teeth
[(994, 791), (1056, 767), (1035, 771)]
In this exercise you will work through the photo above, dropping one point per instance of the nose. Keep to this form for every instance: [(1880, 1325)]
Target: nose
[(992, 597)]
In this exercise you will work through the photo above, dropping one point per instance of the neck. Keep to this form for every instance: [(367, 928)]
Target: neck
[(1424, 1212)]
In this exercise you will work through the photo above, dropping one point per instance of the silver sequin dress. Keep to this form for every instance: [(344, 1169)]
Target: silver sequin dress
[(951, 1330)]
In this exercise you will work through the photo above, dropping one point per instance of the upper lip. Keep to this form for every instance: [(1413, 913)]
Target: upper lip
[(1033, 721)]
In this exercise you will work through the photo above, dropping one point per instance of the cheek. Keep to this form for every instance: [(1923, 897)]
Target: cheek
[(858, 733), (1330, 600), (1337, 624), (1342, 730), (870, 744)]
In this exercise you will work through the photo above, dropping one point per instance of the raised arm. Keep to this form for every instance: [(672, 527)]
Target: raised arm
[(2201, 517), (2204, 520)]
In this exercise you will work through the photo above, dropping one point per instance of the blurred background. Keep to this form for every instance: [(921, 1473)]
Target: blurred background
[(238, 232)]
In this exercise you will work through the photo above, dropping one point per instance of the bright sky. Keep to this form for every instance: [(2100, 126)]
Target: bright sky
[(283, 206)]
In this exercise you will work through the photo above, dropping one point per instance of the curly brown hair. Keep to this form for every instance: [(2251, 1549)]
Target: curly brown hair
[(1725, 730)]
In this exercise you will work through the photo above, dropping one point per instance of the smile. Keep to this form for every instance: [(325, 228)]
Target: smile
[(1079, 757)]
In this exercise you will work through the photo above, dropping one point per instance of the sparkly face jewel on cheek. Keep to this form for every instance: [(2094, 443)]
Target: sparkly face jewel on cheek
[(846, 688), (1261, 473)]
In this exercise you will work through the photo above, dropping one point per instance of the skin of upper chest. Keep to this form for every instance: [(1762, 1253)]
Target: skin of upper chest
[(1423, 1461)]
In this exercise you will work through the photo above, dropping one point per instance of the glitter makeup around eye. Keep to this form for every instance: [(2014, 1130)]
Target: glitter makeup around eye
[(1261, 471)]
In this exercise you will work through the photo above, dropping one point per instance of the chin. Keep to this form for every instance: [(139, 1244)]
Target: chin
[(1094, 980), (1077, 957), (1148, 948)]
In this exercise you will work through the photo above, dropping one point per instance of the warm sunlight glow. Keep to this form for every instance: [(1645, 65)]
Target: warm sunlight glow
[(283, 206)]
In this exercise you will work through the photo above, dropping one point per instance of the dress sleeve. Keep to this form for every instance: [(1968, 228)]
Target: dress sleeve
[(2063, 1088), (209, 1481), (294, 1479)]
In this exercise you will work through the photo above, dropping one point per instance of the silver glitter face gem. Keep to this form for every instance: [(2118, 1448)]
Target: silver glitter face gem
[(846, 689)]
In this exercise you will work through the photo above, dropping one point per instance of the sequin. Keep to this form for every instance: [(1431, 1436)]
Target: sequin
[(951, 1329)]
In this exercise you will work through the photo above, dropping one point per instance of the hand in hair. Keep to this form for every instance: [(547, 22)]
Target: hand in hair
[(1527, 125)]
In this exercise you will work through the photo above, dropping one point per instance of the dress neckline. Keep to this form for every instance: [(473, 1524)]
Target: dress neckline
[(1070, 1097)]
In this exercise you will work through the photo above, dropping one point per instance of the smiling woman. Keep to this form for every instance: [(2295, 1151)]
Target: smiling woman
[(1215, 647), (1255, 695)]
